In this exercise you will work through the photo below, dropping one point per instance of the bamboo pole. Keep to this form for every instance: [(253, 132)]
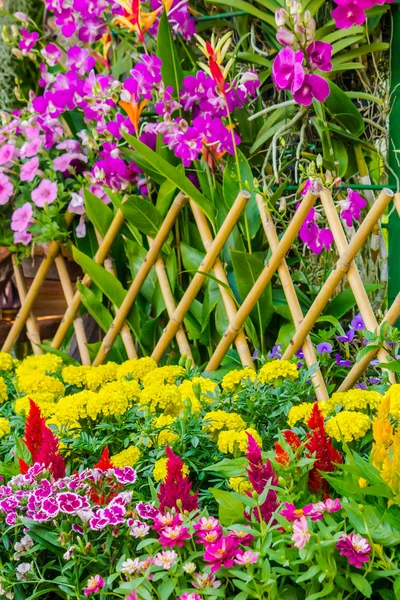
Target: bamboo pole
[(31, 324), (219, 272), (292, 299), (126, 335), (263, 280), (358, 369), (353, 275), (205, 266), (99, 258), (140, 277), (338, 272), (78, 322), (23, 313), (182, 341)]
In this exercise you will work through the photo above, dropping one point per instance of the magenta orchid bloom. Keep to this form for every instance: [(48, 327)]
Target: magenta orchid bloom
[(352, 207), (319, 55), (287, 71)]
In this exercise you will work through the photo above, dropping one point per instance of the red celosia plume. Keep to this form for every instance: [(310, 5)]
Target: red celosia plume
[(261, 474), (104, 463), (320, 446), (33, 429), (176, 492), (294, 442)]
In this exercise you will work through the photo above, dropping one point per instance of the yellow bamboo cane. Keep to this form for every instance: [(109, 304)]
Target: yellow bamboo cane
[(360, 367), (199, 278), (353, 275), (339, 271), (219, 272), (262, 281), (99, 258), (31, 324), (78, 321), (23, 313), (140, 277), (292, 299)]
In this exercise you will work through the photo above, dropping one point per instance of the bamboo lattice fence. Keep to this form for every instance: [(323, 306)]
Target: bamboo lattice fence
[(234, 334)]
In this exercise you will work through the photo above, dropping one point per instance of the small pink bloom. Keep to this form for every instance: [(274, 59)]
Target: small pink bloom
[(29, 169), (31, 148), (356, 548), (189, 596), (247, 558), (351, 208), (28, 40), (174, 536), (94, 585), (77, 204), (21, 217), (301, 534), (204, 580), (22, 237), (8, 153), (165, 559), (45, 193), (348, 14), (6, 189)]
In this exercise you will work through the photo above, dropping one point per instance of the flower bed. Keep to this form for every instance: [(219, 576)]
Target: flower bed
[(149, 482)]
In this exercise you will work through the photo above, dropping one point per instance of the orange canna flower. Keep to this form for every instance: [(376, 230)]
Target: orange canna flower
[(133, 110)]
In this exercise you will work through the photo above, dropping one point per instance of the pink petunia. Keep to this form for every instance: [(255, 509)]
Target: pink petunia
[(6, 189), (45, 193), (21, 217), (22, 237), (29, 169), (8, 153)]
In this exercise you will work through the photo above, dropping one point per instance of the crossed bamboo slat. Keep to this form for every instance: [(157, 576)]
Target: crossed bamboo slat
[(290, 294), (31, 324)]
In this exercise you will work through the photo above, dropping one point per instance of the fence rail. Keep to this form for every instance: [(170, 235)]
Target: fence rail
[(237, 316)]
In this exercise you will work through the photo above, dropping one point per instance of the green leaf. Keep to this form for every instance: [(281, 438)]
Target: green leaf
[(21, 450), (286, 332), (345, 301), (391, 366), (168, 585), (249, 8), (109, 285), (171, 173), (171, 70), (230, 509), (143, 215), (99, 214), (343, 110), (361, 584), (247, 268), (67, 359), (360, 51), (313, 6), (229, 467), (233, 183)]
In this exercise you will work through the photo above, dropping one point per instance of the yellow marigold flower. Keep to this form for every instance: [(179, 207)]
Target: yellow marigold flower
[(231, 441), (22, 405), (163, 421), (75, 375), (301, 412), (393, 394), (72, 408), (136, 368), (187, 391), (217, 420), (362, 482), (131, 389), (35, 382), (232, 379), (162, 397), (356, 399), (5, 426), (163, 375), (166, 436), (98, 376), (6, 362), (348, 425), (3, 390), (126, 458), (111, 400), (44, 363), (277, 369), (160, 470), (240, 484)]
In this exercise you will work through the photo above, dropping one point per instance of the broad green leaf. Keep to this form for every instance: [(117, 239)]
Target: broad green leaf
[(166, 194), (249, 8), (67, 359), (229, 467), (230, 510), (341, 156), (21, 450), (345, 301), (360, 51), (136, 254), (171, 70), (271, 126), (144, 164), (95, 307), (99, 213), (251, 57), (343, 110), (143, 215), (365, 96), (172, 173), (168, 584), (234, 182), (391, 366), (346, 66), (313, 6), (109, 285), (344, 41), (286, 332), (361, 584)]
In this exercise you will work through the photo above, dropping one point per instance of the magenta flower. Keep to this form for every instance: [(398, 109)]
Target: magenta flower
[(313, 86), (351, 208), (6, 189), (319, 55), (29, 169), (21, 217), (45, 193), (287, 71), (173, 536), (22, 237), (301, 534), (247, 558), (79, 60), (291, 513), (348, 14), (355, 547), (189, 596), (222, 553), (28, 40), (51, 54), (94, 585), (316, 239)]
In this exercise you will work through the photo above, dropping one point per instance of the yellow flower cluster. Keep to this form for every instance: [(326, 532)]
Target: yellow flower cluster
[(240, 484), (166, 436), (36, 382), (205, 386), (356, 399), (160, 470), (277, 369), (301, 412), (99, 376), (393, 395), (236, 377), (3, 390), (6, 362), (386, 446), (44, 401), (162, 397), (229, 442), (163, 375), (5, 427), (136, 368), (348, 425), (217, 420), (73, 375), (126, 458)]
